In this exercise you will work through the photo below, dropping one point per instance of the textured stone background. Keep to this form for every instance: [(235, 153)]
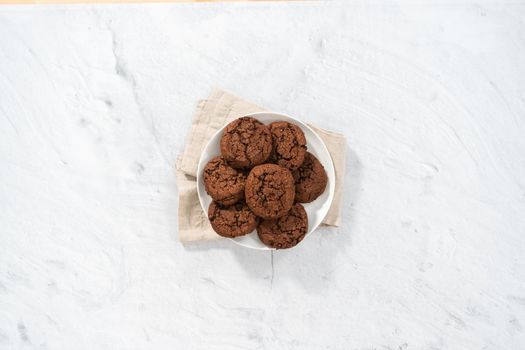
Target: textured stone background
[(95, 104)]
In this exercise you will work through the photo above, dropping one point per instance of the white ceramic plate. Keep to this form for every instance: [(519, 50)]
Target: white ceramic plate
[(316, 210)]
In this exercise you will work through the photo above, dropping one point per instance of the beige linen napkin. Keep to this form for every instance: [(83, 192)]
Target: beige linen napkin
[(211, 115)]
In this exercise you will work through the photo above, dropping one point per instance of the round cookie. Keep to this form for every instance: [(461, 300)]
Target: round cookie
[(222, 182), (232, 221), (310, 179), (286, 231), (269, 191), (246, 142), (289, 144)]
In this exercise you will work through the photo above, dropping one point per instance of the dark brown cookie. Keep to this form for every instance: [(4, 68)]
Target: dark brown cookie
[(246, 142), (222, 182), (284, 232), (232, 221), (269, 191), (310, 179), (289, 144)]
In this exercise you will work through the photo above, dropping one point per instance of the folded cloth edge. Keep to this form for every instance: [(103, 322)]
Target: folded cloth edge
[(210, 115)]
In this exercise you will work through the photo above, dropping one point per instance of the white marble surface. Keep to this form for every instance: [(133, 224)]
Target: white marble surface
[(95, 103)]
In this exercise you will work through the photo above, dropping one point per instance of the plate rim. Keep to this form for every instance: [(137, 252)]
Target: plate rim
[(254, 115)]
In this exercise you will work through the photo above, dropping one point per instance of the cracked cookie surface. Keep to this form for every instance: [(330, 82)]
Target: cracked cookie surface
[(222, 182), (310, 179), (289, 144), (284, 232), (270, 191), (246, 142), (232, 221)]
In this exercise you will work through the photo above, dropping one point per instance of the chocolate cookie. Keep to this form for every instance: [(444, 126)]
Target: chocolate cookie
[(246, 142), (232, 221), (269, 191), (222, 182), (289, 145), (284, 232), (310, 179)]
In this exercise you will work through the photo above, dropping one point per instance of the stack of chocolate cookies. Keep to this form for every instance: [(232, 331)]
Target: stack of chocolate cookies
[(263, 174)]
